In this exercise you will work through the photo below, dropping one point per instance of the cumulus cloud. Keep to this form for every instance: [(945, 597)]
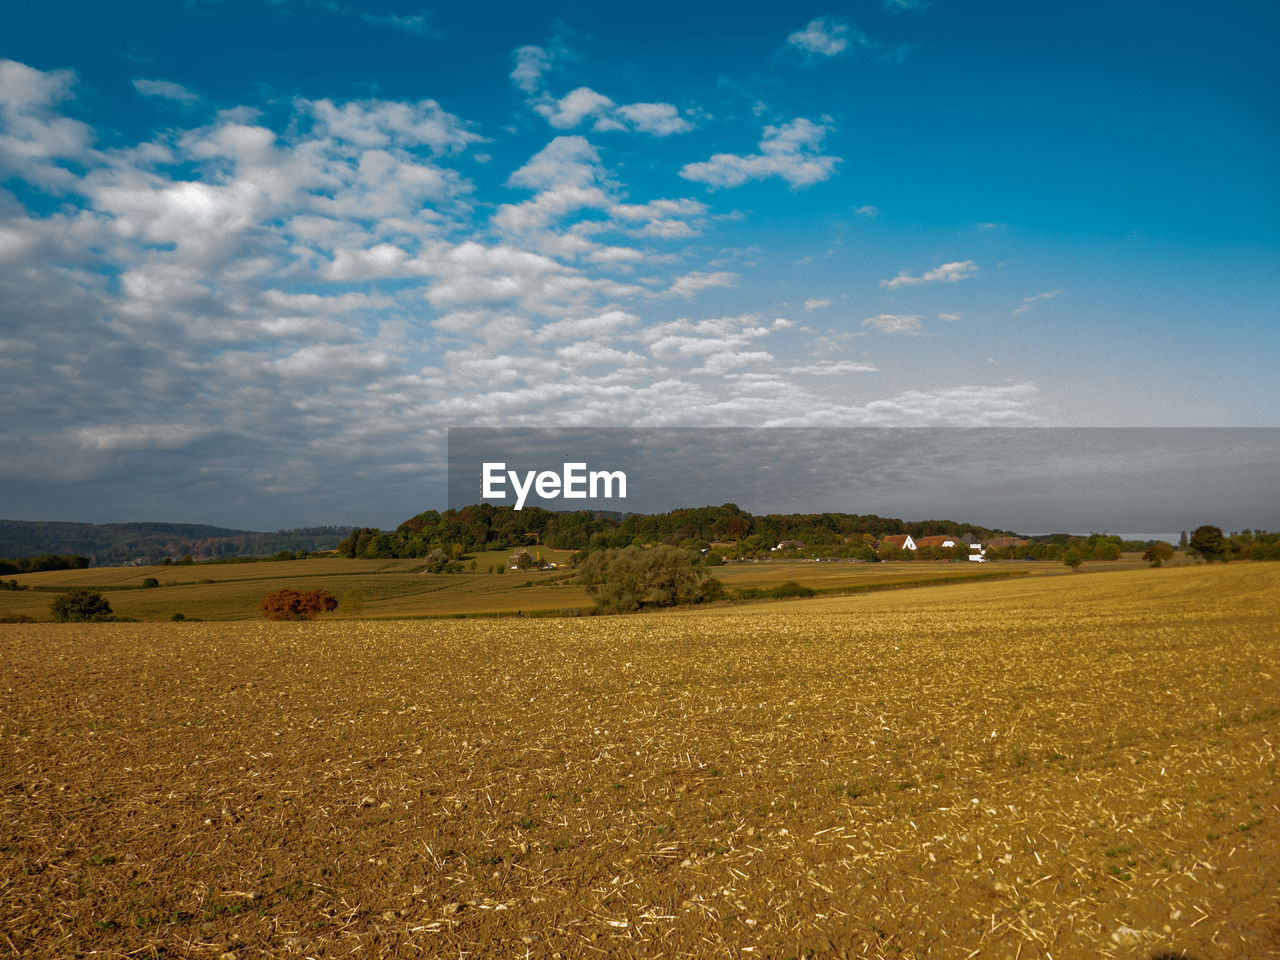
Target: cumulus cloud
[(584, 104), (531, 63), (817, 304), (826, 37), (789, 151), (894, 323), (165, 89), (33, 136), (691, 284), (659, 119), (574, 107), (377, 123), (216, 315), (608, 324), (944, 273), (823, 36), (569, 179)]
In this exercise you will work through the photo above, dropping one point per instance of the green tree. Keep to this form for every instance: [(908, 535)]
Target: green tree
[(80, 606), (1158, 553), (1182, 542), (1073, 559), (622, 580), (1208, 542)]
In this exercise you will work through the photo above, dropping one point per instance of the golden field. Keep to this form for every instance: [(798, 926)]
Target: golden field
[(395, 589), (1073, 766)]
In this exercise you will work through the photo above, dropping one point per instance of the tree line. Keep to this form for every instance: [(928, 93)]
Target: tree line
[(46, 561), (493, 527)]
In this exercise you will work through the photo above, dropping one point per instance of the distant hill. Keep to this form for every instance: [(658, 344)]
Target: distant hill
[(488, 526), (106, 544)]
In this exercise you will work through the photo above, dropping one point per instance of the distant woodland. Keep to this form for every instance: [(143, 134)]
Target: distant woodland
[(491, 527), (106, 544)]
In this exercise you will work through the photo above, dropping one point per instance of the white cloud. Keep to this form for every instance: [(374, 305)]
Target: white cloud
[(584, 104), (944, 273), (826, 37), (575, 106), (823, 36), (695, 282), (1028, 301), (591, 354), (788, 151), (817, 304), (905, 6), (531, 63), (378, 123), (34, 135), (607, 324), (273, 296), (165, 89), (894, 323), (867, 210), (832, 368), (659, 119)]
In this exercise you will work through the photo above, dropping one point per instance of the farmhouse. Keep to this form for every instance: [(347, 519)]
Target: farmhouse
[(789, 545), (944, 541), (899, 541)]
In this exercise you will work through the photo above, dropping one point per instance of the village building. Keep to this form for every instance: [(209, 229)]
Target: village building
[(901, 541)]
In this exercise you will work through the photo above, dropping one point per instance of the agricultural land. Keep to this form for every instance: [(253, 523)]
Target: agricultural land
[(1073, 766)]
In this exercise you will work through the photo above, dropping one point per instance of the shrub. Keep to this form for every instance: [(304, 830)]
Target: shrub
[(297, 605), (793, 589), (622, 580), (150, 582), (80, 606)]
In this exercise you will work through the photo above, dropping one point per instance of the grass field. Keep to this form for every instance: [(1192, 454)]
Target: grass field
[(1059, 767), (394, 588)]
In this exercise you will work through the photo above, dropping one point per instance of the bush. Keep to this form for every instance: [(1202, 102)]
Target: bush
[(627, 579), (80, 606), (297, 605), (150, 582), (793, 589)]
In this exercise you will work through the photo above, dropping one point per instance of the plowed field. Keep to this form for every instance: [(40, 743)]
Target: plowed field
[(1066, 767)]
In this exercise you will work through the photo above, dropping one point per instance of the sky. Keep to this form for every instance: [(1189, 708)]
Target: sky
[(256, 258)]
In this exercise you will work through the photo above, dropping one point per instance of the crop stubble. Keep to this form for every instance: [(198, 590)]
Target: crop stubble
[(1075, 767)]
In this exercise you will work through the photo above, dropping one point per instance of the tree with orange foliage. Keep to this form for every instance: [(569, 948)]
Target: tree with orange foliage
[(297, 605)]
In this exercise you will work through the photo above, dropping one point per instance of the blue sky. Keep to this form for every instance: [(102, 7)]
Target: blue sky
[(255, 258)]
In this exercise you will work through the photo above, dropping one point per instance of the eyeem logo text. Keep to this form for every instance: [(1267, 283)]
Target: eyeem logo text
[(573, 482)]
